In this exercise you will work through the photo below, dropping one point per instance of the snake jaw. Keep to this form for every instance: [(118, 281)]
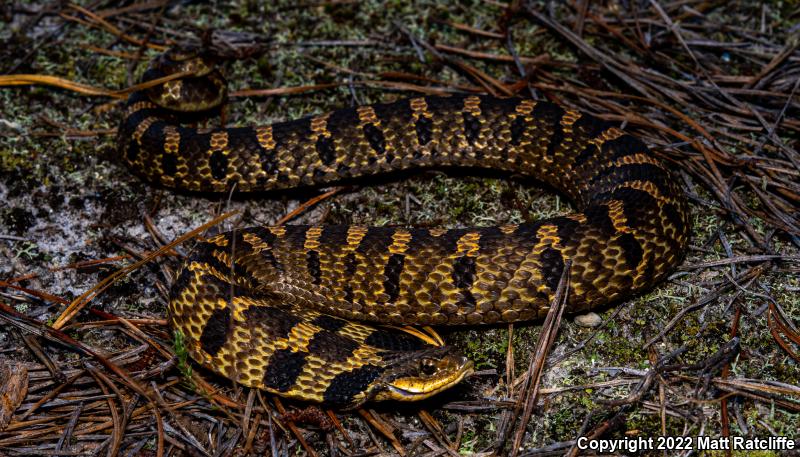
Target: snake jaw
[(424, 377)]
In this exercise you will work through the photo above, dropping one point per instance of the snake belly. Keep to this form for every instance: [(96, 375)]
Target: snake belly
[(283, 308)]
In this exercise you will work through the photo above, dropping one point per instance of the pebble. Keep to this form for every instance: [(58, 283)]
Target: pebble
[(588, 320)]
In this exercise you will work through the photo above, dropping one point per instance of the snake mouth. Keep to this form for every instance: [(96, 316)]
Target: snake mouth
[(452, 370)]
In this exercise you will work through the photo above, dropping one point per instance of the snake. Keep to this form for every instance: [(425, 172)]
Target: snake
[(313, 312)]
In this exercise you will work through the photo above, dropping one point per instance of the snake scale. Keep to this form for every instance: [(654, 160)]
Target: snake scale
[(295, 309)]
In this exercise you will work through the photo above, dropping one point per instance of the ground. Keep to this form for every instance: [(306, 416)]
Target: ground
[(69, 201)]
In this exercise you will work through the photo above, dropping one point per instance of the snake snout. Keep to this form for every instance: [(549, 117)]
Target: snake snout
[(427, 375)]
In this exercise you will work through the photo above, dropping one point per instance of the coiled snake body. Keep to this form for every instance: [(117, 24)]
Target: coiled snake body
[(278, 308)]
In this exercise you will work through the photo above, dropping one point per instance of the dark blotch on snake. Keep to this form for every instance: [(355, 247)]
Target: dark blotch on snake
[(344, 387), (216, 330), (218, 162), (375, 138), (424, 129), (631, 249), (331, 346), (331, 323), (283, 369), (272, 320), (552, 266)]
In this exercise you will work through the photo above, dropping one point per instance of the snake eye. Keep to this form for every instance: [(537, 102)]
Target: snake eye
[(428, 367)]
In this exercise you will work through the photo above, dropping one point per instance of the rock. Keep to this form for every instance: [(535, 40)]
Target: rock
[(590, 320)]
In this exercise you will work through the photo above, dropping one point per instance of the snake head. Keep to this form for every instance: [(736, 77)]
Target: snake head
[(421, 374)]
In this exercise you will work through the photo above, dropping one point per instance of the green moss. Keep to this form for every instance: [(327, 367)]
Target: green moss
[(184, 363)]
